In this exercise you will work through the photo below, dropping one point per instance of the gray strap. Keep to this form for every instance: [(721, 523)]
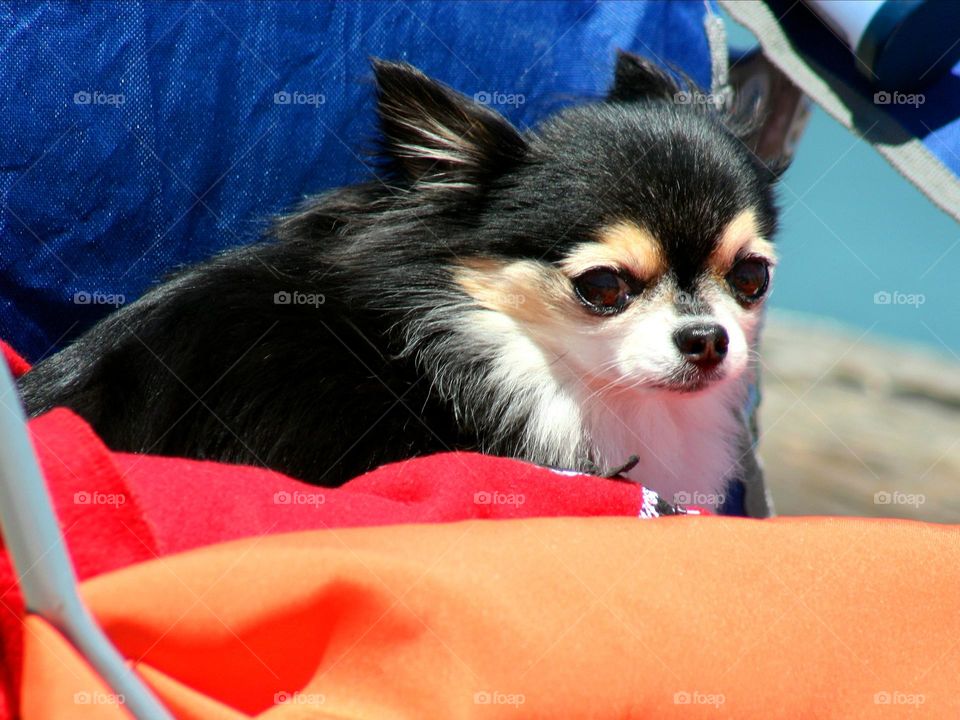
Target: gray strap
[(720, 90), (49, 585), (845, 103)]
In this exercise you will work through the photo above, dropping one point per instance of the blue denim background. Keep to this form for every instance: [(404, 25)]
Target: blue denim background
[(138, 137)]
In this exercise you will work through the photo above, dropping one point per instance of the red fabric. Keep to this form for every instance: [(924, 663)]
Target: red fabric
[(18, 366), (118, 509)]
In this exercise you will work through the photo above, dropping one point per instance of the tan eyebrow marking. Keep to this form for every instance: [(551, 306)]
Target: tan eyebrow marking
[(742, 234), (622, 245)]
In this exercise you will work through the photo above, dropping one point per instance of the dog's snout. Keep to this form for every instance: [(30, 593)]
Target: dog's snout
[(703, 344)]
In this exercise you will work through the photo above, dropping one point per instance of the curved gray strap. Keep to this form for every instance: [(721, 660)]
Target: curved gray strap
[(49, 585)]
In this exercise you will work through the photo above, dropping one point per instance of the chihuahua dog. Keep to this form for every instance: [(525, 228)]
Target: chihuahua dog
[(576, 296)]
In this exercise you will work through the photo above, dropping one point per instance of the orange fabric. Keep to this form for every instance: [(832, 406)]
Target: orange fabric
[(547, 618), (64, 685)]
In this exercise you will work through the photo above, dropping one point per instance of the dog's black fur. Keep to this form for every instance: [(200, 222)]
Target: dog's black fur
[(208, 365)]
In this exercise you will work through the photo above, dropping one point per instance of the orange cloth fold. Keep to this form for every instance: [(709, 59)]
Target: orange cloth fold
[(543, 618)]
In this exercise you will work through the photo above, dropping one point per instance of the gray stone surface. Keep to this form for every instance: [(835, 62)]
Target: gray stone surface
[(856, 425)]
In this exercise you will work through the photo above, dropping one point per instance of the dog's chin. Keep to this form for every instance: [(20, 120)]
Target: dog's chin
[(690, 379), (686, 379)]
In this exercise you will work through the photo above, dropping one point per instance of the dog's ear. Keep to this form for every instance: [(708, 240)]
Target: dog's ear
[(777, 167), (435, 136), (637, 78)]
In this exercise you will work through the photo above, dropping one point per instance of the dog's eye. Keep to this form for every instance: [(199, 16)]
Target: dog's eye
[(602, 291), (749, 278)]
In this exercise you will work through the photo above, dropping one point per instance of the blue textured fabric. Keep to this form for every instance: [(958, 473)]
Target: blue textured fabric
[(139, 137), (734, 499)]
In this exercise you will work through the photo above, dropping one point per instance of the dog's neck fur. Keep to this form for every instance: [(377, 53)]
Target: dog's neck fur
[(522, 402), (686, 443)]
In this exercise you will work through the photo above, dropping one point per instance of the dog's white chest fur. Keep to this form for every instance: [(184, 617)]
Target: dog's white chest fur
[(686, 444)]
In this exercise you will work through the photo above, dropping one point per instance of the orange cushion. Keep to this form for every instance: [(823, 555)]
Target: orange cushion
[(552, 618)]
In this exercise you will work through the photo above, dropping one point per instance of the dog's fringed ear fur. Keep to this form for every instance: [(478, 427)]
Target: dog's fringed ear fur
[(437, 138), (637, 78)]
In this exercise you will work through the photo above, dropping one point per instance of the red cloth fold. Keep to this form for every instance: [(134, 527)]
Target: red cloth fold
[(18, 366)]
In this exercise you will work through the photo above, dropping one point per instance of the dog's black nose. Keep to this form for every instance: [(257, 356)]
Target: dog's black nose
[(703, 344)]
